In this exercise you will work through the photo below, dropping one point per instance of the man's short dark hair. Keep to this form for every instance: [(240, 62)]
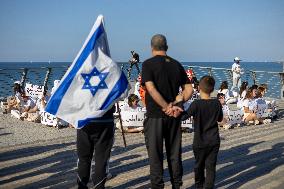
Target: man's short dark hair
[(207, 84), (159, 42)]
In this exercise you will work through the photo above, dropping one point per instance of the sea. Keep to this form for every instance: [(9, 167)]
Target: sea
[(267, 72)]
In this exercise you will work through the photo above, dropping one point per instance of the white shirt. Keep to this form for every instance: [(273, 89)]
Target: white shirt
[(243, 95), (228, 94), (19, 98), (260, 101), (236, 69), (136, 89), (225, 109), (250, 104)]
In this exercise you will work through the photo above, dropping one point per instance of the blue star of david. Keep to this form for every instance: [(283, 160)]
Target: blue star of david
[(87, 78)]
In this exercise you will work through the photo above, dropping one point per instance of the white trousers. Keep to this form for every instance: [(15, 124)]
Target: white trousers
[(236, 83)]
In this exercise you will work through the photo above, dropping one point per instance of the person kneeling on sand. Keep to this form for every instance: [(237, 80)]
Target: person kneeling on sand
[(26, 105), (35, 112), (13, 102), (250, 108), (229, 95)]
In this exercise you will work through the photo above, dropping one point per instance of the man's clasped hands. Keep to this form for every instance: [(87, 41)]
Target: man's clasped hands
[(173, 109)]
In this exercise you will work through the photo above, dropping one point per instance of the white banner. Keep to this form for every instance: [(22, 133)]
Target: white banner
[(262, 111), (135, 118), (34, 91), (235, 116), (48, 119)]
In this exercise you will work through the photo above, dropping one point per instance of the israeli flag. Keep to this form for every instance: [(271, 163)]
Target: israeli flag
[(91, 85)]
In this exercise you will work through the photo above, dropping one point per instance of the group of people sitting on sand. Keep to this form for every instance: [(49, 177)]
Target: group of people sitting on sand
[(24, 107), (252, 103), (246, 101)]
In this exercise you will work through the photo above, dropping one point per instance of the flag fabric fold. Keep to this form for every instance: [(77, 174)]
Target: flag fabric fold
[(91, 85)]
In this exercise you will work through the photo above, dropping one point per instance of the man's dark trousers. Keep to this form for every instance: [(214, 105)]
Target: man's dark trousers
[(96, 137), (205, 158), (155, 130)]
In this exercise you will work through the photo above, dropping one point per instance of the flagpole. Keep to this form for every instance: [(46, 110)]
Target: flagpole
[(121, 127)]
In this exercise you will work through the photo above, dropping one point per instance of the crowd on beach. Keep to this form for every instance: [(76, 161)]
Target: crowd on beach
[(249, 101), (246, 99), (24, 107)]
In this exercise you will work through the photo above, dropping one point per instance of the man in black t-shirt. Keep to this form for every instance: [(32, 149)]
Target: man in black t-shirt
[(162, 77), (133, 61)]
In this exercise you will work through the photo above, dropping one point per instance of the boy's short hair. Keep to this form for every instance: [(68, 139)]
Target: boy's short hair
[(207, 84), (219, 95)]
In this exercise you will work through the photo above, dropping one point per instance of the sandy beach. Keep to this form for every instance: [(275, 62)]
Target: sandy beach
[(16, 132)]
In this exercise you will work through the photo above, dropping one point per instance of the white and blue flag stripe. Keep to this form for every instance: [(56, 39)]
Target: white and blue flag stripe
[(92, 84)]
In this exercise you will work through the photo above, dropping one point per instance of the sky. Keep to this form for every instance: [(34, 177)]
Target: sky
[(196, 30)]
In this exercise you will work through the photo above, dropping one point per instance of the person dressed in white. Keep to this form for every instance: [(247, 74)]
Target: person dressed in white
[(237, 72), (137, 86), (230, 98), (226, 111), (26, 105)]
